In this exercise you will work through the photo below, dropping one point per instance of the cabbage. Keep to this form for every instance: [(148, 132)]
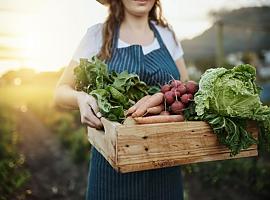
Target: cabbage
[(227, 99)]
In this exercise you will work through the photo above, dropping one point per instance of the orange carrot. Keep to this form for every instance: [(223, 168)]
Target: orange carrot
[(129, 121), (165, 112), (156, 110), (153, 101), (133, 108), (159, 119)]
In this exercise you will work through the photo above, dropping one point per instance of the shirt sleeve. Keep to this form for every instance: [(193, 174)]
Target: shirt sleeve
[(177, 50), (90, 44)]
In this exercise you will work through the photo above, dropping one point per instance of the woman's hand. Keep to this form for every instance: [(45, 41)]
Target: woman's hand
[(89, 111)]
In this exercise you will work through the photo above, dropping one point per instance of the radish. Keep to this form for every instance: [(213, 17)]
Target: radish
[(177, 94), (174, 89), (177, 107), (165, 88), (182, 88), (176, 83), (169, 97), (185, 98), (190, 96), (192, 87)]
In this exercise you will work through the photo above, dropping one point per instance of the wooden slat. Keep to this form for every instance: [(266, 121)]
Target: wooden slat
[(148, 143), (105, 141), (139, 147), (167, 163), (176, 155)]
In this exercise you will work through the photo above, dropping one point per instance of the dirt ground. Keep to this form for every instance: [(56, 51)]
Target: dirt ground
[(53, 174)]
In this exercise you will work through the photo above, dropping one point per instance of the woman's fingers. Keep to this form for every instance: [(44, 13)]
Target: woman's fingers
[(93, 118), (87, 122), (88, 110), (133, 108), (93, 104), (89, 116)]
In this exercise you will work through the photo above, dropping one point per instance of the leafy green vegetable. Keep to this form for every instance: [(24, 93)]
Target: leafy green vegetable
[(91, 75), (113, 91), (226, 100)]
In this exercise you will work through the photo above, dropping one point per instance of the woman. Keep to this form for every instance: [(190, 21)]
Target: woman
[(135, 37)]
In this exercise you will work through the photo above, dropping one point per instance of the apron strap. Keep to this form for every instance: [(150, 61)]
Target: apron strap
[(157, 35)]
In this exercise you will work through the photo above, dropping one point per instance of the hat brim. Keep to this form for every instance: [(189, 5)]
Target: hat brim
[(104, 2)]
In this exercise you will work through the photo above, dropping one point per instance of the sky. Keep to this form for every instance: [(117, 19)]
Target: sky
[(43, 34)]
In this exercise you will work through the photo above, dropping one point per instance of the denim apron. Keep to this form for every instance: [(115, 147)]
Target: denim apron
[(104, 183)]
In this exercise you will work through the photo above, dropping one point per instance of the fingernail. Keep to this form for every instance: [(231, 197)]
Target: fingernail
[(99, 115)]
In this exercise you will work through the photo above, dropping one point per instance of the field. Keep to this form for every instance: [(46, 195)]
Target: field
[(47, 136)]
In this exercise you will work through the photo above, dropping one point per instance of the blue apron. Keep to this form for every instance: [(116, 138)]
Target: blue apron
[(104, 183)]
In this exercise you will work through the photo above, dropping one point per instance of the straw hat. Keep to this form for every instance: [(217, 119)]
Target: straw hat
[(104, 2)]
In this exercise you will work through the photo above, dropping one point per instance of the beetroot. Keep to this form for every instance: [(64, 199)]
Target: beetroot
[(182, 88), (177, 107), (165, 88), (192, 87), (169, 97)]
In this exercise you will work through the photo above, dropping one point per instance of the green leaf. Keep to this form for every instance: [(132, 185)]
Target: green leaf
[(153, 90), (113, 91)]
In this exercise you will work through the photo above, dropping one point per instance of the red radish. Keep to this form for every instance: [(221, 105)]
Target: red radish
[(185, 98), (182, 88), (192, 87), (174, 89), (190, 96), (165, 88), (176, 83), (177, 107), (177, 94), (169, 97)]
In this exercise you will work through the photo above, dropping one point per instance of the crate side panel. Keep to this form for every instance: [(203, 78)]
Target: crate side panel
[(167, 163), (105, 141), (148, 143)]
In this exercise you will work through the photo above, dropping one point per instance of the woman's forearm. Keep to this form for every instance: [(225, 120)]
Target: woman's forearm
[(180, 63), (66, 97)]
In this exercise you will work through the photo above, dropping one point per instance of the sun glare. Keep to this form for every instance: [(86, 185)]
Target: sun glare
[(48, 32)]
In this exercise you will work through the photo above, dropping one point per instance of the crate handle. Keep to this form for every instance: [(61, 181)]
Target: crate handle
[(109, 127)]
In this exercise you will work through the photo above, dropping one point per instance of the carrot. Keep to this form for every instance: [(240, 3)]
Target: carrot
[(129, 121), (153, 101), (165, 112), (156, 110), (133, 108), (159, 119)]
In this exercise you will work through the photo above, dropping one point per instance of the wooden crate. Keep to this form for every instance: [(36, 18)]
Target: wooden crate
[(140, 147)]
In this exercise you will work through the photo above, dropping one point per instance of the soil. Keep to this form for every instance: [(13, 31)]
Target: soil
[(54, 175)]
